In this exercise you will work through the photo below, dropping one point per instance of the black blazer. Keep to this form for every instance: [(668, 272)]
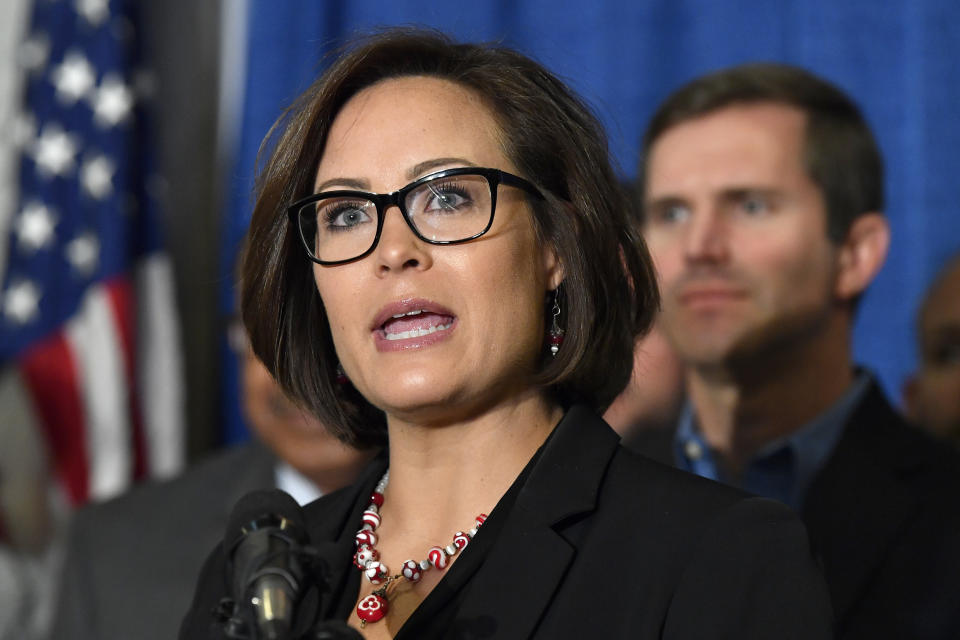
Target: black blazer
[(884, 520), (600, 543)]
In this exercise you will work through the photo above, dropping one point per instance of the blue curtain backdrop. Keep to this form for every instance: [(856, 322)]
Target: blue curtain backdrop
[(897, 58)]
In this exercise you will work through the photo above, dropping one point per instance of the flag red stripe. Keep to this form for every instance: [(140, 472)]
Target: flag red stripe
[(120, 293), (49, 370)]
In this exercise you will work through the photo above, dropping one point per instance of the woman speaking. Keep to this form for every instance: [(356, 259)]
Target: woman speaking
[(439, 261)]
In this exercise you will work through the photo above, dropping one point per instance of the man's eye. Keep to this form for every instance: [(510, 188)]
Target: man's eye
[(672, 214), (946, 354), (755, 205)]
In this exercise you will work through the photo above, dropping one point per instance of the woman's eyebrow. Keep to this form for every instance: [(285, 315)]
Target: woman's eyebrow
[(420, 168), (351, 183), (413, 173)]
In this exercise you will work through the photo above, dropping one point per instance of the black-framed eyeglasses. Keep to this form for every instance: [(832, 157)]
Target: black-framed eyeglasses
[(446, 207)]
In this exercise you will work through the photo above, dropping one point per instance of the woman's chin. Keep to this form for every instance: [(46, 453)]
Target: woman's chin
[(410, 399)]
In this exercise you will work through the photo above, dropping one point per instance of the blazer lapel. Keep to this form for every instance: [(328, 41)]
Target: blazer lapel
[(857, 505), (512, 588)]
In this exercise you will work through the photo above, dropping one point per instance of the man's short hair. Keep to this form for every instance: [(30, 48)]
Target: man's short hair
[(840, 152)]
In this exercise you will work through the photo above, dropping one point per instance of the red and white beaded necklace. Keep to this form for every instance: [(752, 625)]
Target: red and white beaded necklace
[(374, 606)]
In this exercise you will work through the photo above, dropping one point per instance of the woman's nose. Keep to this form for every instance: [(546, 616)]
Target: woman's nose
[(399, 248)]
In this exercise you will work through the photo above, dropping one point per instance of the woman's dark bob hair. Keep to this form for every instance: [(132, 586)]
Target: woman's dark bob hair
[(609, 290)]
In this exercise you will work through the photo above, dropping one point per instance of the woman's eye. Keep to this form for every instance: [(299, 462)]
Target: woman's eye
[(344, 216), (446, 198)]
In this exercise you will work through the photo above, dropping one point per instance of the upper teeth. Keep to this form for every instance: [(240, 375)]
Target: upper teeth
[(417, 333), (415, 312)]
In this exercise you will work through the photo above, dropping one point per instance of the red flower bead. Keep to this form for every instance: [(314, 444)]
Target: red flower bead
[(372, 608)]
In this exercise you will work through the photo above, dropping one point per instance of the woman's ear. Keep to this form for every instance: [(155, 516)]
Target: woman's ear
[(552, 268), (862, 254)]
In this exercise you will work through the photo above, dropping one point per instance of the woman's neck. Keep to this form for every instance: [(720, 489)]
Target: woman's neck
[(443, 475)]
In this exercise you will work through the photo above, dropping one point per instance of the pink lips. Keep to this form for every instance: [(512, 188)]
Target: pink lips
[(411, 324)]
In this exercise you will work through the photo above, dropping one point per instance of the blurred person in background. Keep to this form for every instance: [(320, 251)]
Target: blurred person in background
[(932, 394), (131, 563), (762, 195), (32, 516), (654, 396)]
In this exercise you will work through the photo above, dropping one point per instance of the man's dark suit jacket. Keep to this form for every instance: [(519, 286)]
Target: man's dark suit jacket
[(599, 543), (132, 563), (884, 520)]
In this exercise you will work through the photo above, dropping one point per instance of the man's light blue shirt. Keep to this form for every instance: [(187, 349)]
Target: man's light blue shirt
[(782, 470)]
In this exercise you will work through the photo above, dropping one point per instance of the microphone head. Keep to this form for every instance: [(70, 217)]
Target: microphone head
[(263, 509), (266, 547)]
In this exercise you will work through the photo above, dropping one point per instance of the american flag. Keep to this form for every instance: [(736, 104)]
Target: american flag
[(87, 316)]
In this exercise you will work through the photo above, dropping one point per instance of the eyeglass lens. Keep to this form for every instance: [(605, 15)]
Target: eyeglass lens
[(445, 209)]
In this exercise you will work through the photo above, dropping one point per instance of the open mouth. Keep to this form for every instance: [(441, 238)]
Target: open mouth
[(415, 323)]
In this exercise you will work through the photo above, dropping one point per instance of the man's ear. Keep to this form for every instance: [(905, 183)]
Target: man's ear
[(862, 254)]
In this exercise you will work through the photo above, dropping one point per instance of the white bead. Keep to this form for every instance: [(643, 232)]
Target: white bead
[(450, 549), (425, 564), (473, 532)]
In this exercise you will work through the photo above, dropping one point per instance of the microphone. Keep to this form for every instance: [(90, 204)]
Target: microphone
[(268, 555)]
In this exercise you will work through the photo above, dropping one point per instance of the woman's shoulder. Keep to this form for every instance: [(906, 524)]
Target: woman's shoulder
[(679, 501)]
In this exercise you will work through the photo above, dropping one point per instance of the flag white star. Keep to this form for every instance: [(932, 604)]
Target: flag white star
[(34, 226), (55, 151), (111, 101), (96, 176), (83, 253), (21, 302), (93, 11), (73, 78), (34, 52)]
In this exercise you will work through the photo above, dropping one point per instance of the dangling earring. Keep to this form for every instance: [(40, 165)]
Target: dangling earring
[(555, 338), (341, 375)]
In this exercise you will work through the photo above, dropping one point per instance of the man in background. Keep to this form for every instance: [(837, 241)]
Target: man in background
[(762, 194), (654, 396), (132, 562), (932, 394)]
